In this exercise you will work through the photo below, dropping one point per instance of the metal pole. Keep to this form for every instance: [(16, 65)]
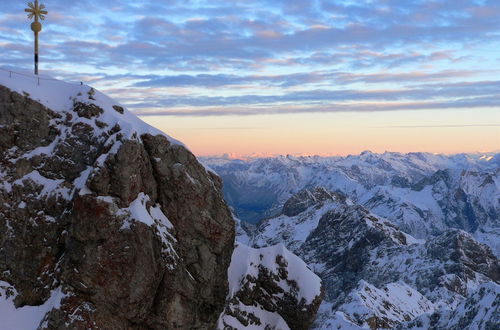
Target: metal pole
[(36, 53), (37, 12), (36, 40)]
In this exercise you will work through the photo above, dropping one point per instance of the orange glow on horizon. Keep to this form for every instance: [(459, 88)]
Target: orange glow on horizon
[(449, 132)]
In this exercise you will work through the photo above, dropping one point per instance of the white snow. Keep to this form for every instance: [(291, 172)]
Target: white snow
[(328, 320), (59, 96), (80, 182), (245, 261), (137, 211), (26, 317), (153, 217), (395, 302), (291, 231), (368, 180), (157, 214), (241, 235), (475, 312), (50, 187), (273, 319), (484, 302)]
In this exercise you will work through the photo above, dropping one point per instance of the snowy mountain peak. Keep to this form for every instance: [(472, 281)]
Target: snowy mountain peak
[(306, 198)]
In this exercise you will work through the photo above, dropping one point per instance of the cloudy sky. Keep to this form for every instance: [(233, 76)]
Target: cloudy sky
[(282, 76)]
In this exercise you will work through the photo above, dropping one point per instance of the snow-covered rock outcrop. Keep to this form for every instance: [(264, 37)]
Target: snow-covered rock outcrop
[(105, 222), (270, 288), (108, 223)]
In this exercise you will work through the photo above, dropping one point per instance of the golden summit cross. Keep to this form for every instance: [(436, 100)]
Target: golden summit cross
[(38, 12)]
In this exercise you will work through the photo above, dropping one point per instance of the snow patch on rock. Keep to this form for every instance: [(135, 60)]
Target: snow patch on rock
[(26, 317)]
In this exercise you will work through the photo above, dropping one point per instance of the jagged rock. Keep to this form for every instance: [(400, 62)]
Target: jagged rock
[(354, 251), (343, 241), (304, 199), (118, 109), (270, 288), (87, 110), (481, 310), (105, 222)]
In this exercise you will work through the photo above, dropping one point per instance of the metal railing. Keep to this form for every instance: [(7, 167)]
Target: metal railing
[(38, 79)]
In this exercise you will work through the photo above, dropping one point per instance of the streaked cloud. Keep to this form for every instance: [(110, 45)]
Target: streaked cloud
[(218, 57)]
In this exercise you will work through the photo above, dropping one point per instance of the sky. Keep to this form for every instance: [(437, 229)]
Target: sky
[(265, 77)]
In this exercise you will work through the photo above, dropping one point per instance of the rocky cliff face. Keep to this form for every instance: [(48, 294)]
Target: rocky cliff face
[(270, 288), (104, 221)]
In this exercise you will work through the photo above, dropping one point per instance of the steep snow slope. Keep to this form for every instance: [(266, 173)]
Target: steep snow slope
[(270, 288), (481, 310)]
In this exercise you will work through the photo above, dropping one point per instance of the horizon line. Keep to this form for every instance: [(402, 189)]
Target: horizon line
[(327, 155)]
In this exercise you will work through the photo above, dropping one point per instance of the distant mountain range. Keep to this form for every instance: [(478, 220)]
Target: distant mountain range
[(424, 194)]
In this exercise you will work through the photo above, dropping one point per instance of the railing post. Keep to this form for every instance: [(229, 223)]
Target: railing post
[(38, 79)]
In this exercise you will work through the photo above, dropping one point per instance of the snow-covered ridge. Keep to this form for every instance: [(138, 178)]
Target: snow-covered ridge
[(270, 288), (397, 160), (248, 260), (60, 96)]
